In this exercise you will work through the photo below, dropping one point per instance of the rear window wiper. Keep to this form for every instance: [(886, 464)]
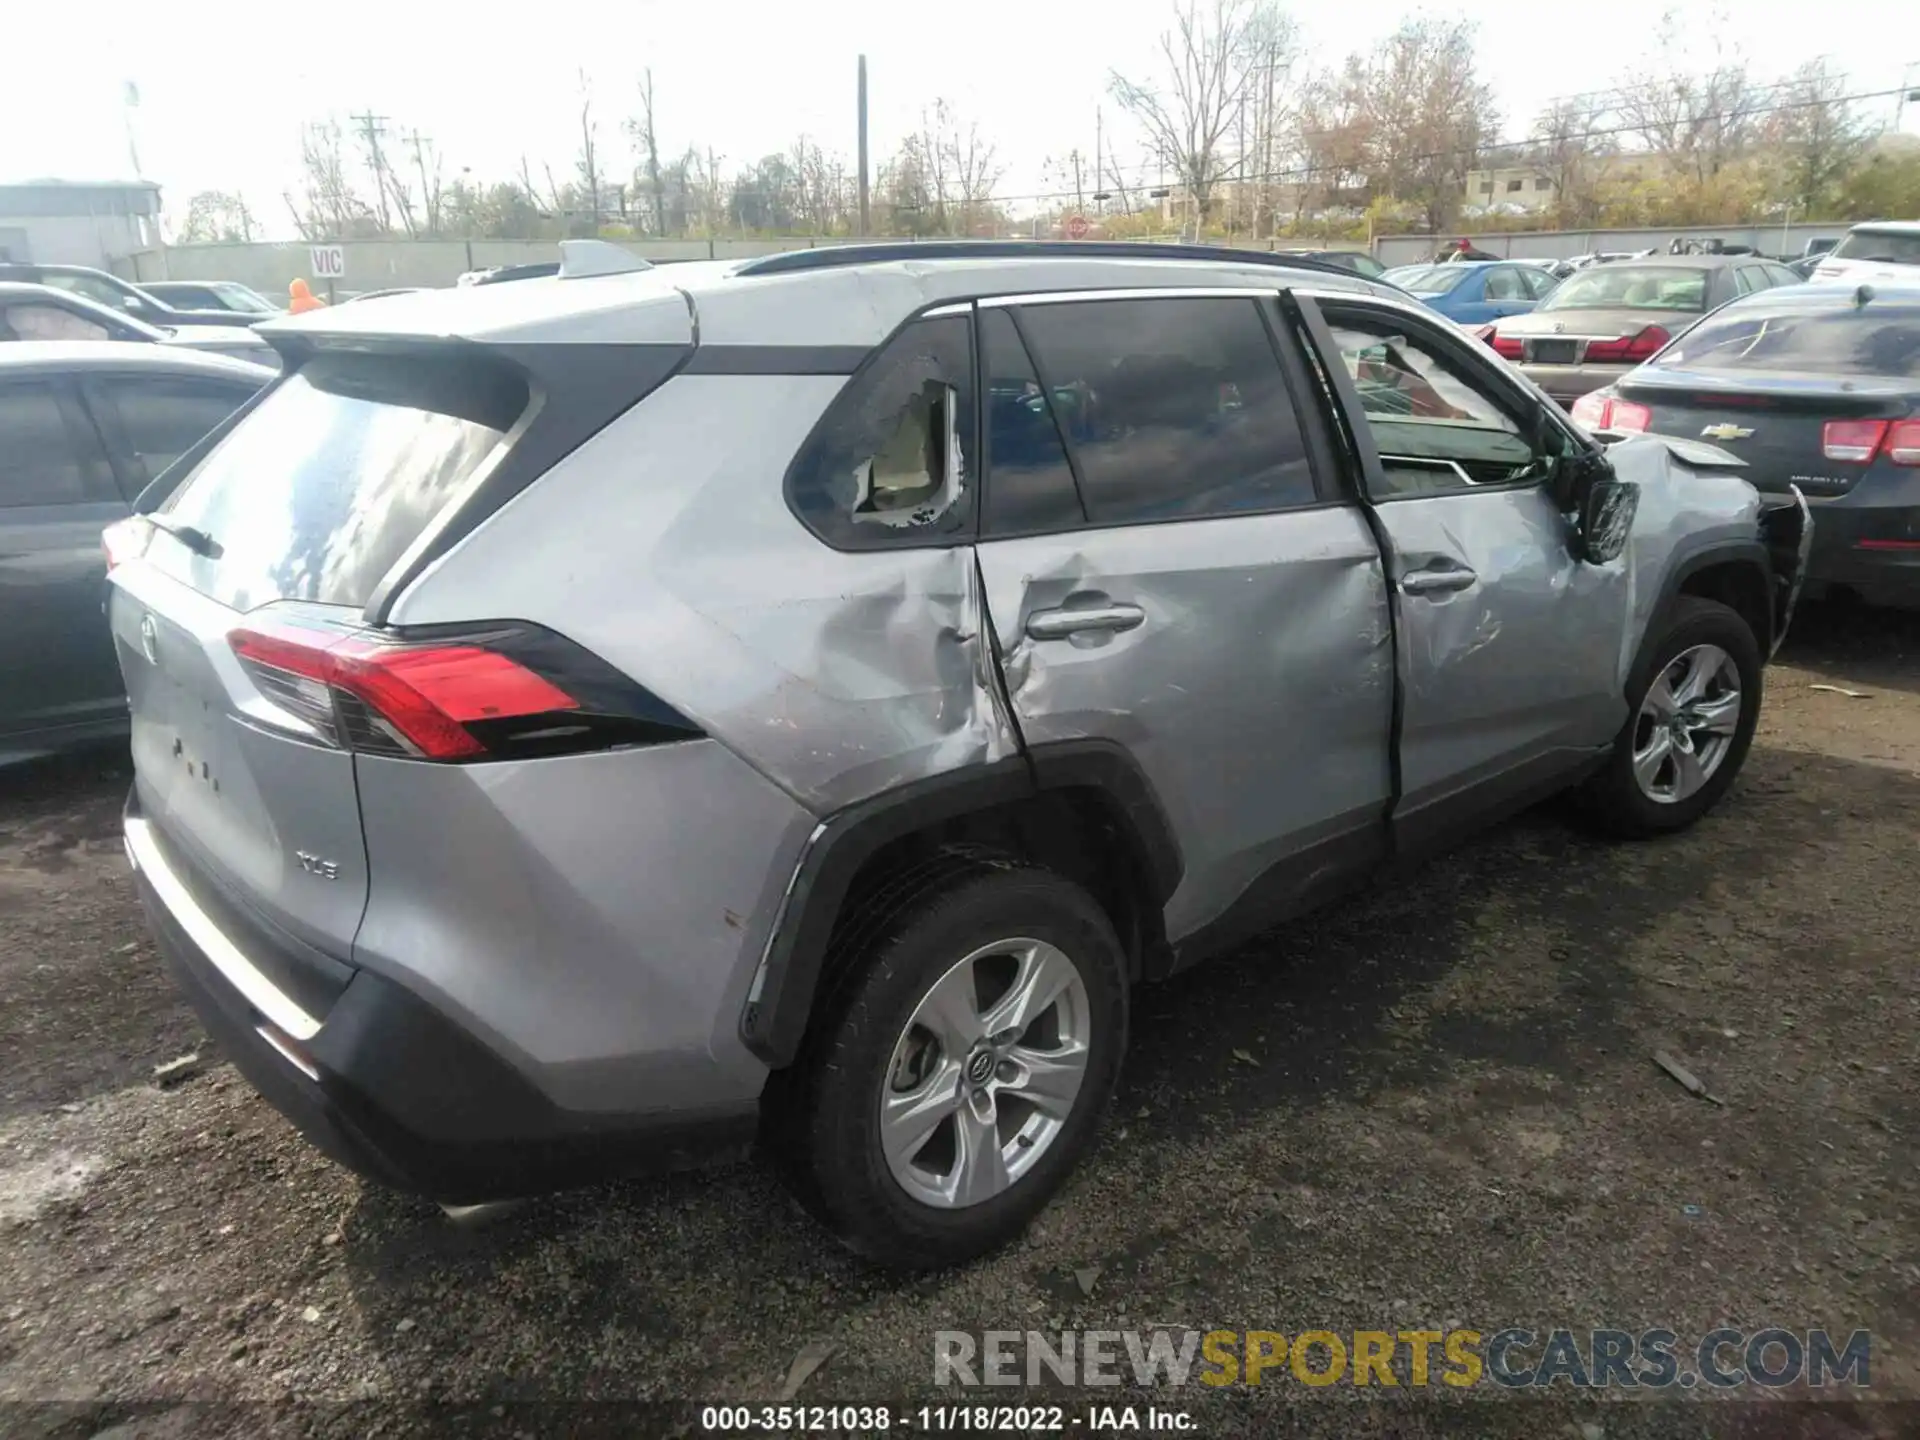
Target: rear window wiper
[(196, 540)]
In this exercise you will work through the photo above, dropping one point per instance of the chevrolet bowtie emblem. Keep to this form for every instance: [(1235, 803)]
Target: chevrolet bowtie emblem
[(1725, 432)]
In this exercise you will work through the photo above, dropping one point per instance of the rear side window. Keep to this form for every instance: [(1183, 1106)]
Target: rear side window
[(38, 462), (161, 419), (890, 463), (48, 322), (1175, 409), (1876, 341), (321, 489)]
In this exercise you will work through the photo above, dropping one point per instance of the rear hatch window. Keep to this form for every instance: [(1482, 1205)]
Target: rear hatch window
[(321, 490)]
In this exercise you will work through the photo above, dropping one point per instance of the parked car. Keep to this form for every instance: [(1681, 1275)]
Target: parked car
[(359, 295), (1815, 387), (113, 293), (1880, 250), (84, 428), (1605, 320), (228, 295), (1473, 292), (40, 312), (1358, 261), (975, 741)]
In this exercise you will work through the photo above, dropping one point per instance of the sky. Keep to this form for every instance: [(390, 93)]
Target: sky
[(225, 87)]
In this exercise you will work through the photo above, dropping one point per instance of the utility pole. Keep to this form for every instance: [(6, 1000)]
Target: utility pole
[(1099, 154), (429, 193), (372, 127), (863, 145), (1079, 200)]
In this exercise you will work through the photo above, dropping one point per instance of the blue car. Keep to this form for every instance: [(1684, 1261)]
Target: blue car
[(1475, 292)]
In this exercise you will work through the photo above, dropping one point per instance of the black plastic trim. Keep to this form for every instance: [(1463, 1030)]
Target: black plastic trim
[(835, 257), (773, 1023), (410, 1099), (776, 359), (1429, 828), (1699, 555)]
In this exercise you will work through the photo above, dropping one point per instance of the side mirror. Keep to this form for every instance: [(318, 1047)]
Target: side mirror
[(1604, 521)]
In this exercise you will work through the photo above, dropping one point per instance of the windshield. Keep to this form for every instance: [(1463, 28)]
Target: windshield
[(1631, 287), (319, 491), (1899, 247), (1426, 279), (1875, 341), (239, 297)]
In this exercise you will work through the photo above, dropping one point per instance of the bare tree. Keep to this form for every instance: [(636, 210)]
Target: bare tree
[(1696, 119), (329, 208), (587, 163), (1568, 142), (640, 129), (214, 216), (1211, 57), (1427, 112), (1817, 137), (427, 164)]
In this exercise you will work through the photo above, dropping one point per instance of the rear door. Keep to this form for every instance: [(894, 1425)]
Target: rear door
[(56, 496), (1509, 646), (150, 421), (1168, 572), (300, 511)]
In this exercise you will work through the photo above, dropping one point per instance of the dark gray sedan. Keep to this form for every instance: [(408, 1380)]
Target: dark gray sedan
[(85, 426), (1607, 319)]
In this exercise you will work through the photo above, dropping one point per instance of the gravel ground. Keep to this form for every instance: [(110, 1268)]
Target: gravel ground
[(1429, 1107)]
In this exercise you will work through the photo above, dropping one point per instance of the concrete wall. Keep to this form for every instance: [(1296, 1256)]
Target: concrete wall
[(382, 264), (1564, 244)]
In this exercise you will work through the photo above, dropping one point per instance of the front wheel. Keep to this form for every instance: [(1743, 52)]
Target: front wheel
[(962, 1067), (1695, 703)]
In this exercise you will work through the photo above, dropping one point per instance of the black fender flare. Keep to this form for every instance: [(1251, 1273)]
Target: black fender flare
[(1688, 561), (779, 1002)]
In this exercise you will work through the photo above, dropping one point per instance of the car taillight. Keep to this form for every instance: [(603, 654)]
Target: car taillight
[(1903, 442), (126, 540), (504, 690), (1504, 346), (1852, 441), (1641, 345), (1598, 410)]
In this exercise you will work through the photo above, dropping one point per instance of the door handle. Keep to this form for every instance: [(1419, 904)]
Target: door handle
[(1437, 582), (1059, 624)]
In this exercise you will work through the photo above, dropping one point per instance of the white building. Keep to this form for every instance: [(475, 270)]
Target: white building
[(75, 222)]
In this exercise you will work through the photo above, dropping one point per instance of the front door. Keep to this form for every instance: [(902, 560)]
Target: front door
[(1166, 574), (1509, 646)]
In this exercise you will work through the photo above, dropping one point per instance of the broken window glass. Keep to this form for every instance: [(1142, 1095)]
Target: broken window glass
[(890, 462)]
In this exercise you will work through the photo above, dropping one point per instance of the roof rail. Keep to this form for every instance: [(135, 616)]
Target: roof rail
[(580, 258), (831, 257)]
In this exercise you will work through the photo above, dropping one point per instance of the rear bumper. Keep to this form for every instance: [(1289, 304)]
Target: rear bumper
[(393, 1089), (1868, 541)]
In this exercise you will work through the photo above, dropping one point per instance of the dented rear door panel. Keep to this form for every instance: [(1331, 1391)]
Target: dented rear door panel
[(1255, 690)]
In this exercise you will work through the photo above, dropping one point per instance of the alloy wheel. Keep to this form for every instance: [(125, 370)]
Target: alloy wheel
[(986, 1073), (1686, 724)]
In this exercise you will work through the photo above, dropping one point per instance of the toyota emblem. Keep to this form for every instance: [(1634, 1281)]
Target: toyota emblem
[(149, 640)]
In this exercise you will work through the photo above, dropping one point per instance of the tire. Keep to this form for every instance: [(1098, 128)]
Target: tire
[(868, 1043), (1625, 802)]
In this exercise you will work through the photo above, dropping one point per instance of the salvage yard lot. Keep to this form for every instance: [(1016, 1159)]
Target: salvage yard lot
[(1429, 1107)]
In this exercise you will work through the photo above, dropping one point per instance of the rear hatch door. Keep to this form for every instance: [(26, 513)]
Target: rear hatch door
[(1774, 421), (304, 507)]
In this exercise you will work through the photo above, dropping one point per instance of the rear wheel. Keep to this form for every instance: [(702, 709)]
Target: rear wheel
[(1695, 702), (961, 1067)]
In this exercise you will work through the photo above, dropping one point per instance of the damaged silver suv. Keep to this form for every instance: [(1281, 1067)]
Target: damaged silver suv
[(583, 723)]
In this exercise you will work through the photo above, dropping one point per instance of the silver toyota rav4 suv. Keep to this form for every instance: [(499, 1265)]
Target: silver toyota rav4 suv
[(581, 724)]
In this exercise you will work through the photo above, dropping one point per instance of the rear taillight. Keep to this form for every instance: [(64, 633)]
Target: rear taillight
[(1599, 410), (506, 690), (1852, 442), (1903, 442), (1506, 347), (1642, 345)]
